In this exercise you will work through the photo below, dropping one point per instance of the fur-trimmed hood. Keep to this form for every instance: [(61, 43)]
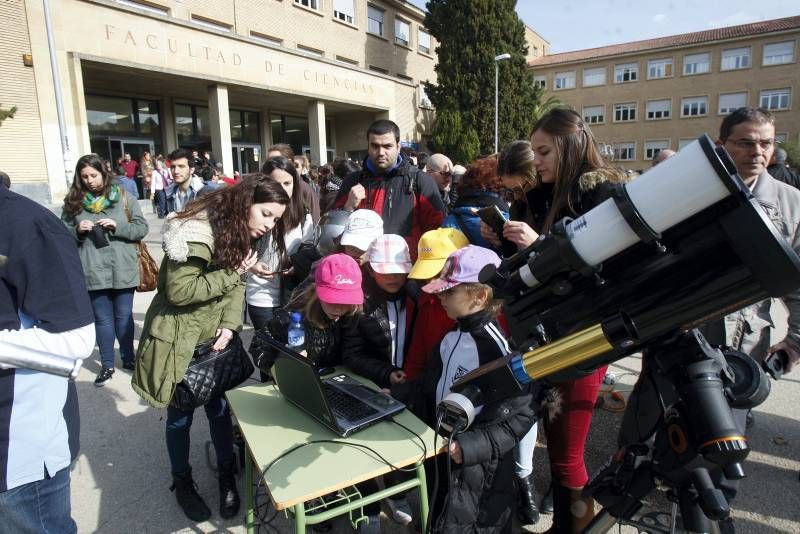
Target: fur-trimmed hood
[(178, 233), (590, 180)]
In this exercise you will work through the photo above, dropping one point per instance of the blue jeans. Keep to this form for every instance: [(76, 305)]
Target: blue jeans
[(160, 201), (260, 317), (42, 506), (113, 318), (179, 423)]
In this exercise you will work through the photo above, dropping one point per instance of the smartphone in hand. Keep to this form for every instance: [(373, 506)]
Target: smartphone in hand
[(494, 218)]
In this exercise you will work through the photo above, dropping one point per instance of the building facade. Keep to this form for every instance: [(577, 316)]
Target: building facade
[(227, 76), (645, 96)]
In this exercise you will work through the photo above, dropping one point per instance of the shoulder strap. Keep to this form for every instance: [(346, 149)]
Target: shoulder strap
[(125, 203)]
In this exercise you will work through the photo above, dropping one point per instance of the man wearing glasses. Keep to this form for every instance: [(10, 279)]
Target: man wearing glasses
[(440, 168)]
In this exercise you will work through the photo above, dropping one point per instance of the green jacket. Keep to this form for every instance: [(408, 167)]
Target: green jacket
[(117, 265), (193, 300)]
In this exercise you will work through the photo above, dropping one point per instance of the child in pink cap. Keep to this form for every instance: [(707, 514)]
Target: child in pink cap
[(327, 305), (482, 461)]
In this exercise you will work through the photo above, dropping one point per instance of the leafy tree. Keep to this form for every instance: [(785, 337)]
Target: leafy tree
[(7, 113), (451, 137), (792, 149), (470, 33)]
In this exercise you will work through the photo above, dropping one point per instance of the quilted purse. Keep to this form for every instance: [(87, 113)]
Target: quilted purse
[(211, 373)]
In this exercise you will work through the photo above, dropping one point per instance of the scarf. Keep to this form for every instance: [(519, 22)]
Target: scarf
[(94, 204)]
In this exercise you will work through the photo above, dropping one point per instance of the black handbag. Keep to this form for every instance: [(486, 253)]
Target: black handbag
[(211, 373)]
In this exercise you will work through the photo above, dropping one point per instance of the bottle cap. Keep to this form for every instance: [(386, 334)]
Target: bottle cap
[(297, 317)]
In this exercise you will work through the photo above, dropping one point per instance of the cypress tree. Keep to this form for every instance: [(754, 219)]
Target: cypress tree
[(470, 33)]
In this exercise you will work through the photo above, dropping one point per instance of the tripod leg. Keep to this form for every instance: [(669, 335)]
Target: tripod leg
[(694, 520)]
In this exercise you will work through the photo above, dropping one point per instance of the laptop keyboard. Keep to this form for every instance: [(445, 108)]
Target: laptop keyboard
[(345, 406)]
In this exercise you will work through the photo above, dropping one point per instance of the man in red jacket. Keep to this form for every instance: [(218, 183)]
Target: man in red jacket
[(406, 198)]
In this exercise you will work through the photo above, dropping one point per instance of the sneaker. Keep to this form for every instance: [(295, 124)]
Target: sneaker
[(103, 377), (401, 511), (129, 365), (371, 526)]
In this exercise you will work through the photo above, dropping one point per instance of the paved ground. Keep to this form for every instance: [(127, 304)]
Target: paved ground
[(121, 479)]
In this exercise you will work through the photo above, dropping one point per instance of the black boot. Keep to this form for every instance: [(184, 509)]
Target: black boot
[(190, 501), (228, 496), (527, 512), (562, 517), (547, 501)]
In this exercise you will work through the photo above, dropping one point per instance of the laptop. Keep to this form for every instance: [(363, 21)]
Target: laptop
[(341, 403)]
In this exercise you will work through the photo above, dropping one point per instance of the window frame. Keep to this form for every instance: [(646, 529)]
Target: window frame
[(382, 22), (623, 66), (650, 157), (667, 61), (719, 102), (540, 78), (313, 5), (685, 98), (616, 147), (776, 92), (708, 64), (597, 69), (404, 43), (663, 117), (429, 51), (602, 114), (574, 80), (337, 15), (793, 52), (630, 119), (749, 56)]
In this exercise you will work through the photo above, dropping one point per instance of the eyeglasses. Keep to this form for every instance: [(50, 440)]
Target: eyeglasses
[(749, 144)]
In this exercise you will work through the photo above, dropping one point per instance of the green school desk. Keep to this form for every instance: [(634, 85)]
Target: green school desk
[(271, 426)]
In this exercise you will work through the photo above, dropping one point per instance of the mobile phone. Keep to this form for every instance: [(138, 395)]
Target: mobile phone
[(494, 218)]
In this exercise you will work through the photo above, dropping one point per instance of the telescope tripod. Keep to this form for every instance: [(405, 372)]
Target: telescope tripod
[(681, 434)]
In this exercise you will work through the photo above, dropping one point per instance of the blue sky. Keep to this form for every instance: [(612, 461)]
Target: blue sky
[(578, 24)]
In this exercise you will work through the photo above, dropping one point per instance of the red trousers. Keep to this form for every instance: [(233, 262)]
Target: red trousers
[(566, 434)]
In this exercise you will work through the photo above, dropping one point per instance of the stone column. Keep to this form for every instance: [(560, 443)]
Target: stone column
[(169, 139), (316, 129), (220, 127)]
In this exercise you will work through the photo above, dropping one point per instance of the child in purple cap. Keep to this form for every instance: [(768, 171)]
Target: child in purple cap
[(481, 457)]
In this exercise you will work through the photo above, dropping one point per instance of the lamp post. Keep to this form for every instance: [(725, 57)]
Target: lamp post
[(497, 60)]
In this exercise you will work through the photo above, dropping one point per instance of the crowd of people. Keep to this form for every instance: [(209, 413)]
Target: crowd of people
[(381, 259)]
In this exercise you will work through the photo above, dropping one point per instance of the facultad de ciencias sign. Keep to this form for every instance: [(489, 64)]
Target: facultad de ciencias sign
[(189, 49)]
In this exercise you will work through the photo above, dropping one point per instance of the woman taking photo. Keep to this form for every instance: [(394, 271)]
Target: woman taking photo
[(268, 285), (560, 173), (200, 296), (107, 222)]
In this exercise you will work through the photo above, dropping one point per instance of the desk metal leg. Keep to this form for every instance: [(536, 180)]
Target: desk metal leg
[(300, 518), (249, 494), (423, 495)]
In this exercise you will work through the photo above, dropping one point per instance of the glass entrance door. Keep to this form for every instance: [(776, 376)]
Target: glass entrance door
[(117, 147), (246, 158)]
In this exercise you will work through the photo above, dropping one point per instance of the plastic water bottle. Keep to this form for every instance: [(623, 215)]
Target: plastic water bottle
[(297, 334)]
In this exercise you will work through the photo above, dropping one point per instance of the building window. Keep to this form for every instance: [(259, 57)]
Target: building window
[(424, 101), (776, 99), (652, 148), (694, 106), (244, 126), (311, 4), (344, 10), (730, 102), (626, 72), (535, 51), (659, 68), (211, 24), (594, 114), (781, 137), (193, 126), (625, 112), (659, 109), (735, 58), (378, 69), (110, 116), (696, 63), (402, 30), (423, 41), (565, 80), (347, 60), (294, 131), (682, 142), (311, 51), (778, 53), (149, 7), (592, 77), (624, 151), (375, 20), (266, 39), (540, 81)]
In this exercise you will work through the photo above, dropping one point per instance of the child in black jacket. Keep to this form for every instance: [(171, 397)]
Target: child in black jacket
[(483, 495)]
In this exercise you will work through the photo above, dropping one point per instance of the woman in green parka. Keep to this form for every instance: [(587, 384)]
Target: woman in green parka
[(106, 223), (200, 296)]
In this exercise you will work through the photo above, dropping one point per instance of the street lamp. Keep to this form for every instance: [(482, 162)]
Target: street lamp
[(497, 60)]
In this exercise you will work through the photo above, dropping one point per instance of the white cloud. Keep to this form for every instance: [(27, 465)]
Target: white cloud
[(658, 19), (740, 17)]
